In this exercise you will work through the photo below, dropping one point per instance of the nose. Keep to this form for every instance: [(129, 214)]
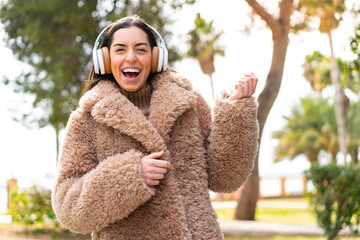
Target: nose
[(131, 56)]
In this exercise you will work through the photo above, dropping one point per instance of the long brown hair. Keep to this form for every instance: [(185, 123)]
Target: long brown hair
[(126, 22)]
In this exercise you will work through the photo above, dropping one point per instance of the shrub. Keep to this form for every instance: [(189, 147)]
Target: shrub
[(32, 207), (336, 200)]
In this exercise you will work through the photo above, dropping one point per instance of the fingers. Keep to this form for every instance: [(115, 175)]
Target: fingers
[(245, 87), (155, 163), (154, 169), (151, 182), (153, 179), (154, 155), (240, 90)]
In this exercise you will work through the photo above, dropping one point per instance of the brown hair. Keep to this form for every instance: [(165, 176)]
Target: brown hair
[(126, 22)]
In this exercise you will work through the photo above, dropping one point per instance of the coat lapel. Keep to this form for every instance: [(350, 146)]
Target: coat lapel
[(116, 111), (170, 98)]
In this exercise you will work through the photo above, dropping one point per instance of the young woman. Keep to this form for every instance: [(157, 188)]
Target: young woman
[(141, 150)]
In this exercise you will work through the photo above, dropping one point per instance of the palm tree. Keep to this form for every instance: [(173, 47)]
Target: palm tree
[(203, 46), (317, 72), (310, 128), (329, 13)]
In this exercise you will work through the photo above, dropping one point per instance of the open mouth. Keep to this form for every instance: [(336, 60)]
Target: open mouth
[(131, 73)]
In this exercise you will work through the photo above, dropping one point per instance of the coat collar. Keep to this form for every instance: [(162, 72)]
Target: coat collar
[(172, 96)]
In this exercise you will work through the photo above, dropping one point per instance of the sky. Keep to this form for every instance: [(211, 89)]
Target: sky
[(29, 154)]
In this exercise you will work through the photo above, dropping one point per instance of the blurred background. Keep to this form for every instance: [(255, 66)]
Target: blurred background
[(305, 54)]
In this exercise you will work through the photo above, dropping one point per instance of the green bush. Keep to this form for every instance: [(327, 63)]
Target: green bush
[(336, 199), (32, 207)]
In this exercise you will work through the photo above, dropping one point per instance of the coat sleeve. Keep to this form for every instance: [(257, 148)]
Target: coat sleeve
[(231, 141), (89, 195)]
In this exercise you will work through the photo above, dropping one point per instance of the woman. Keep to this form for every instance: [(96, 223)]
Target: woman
[(141, 151)]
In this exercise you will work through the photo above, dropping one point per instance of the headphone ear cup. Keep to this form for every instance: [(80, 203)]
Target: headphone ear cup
[(95, 61), (154, 59), (106, 58), (100, 62), (165, 60), (161, 60)]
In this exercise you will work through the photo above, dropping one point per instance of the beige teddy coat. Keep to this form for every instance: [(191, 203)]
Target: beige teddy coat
[(99, 186)]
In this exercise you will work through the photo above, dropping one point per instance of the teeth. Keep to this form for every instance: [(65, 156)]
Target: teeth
[(129, 70)]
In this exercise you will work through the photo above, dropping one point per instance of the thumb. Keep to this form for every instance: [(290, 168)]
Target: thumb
[(154, 155)]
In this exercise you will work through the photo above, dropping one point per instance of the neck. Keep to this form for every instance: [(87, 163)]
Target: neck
[(141, 98)]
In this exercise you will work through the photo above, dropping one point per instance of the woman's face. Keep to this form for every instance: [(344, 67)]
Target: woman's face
[(130, 56)]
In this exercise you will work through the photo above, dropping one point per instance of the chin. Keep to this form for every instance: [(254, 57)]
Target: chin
[(131, 87)]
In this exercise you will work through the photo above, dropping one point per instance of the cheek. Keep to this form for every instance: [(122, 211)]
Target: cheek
[(147, 63), (114, 62)]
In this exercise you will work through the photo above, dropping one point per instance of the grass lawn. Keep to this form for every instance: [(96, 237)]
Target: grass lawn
[(17, 230), (265, 214), (279, 215), (287, 238)]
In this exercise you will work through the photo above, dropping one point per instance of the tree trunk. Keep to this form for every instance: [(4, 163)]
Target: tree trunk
[(212, 86), (336, 237), (339, 100), (354, 155), (247, 202), (57, 132), (280, 30)]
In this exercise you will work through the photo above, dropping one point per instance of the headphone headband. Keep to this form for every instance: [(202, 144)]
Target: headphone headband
[(163, 53), (162, 62)]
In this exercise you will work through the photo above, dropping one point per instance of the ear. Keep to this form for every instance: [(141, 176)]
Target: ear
[(154, 59), (106, 58)]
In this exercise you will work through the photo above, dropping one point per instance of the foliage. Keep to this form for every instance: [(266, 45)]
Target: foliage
[(317, 73), (353, 129), (336, 200), (47, 36), (328, 11), (55, 39), (355, 48), (310, 128), (203, 44), (32, 207)]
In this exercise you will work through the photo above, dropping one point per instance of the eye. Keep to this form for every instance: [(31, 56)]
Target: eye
[(142, 50), (120, 50)]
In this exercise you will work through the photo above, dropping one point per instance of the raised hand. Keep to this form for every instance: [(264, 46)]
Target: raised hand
[(245, 87)]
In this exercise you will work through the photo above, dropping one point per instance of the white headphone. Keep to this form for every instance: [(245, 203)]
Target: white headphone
[(101, 56)]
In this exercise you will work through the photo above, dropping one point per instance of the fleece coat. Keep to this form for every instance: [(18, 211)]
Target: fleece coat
[(99, 187)]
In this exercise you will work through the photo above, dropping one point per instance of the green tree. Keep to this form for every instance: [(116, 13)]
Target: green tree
[(203, 46), (51, 37), (55, 39), (310, 128), (329, 13)]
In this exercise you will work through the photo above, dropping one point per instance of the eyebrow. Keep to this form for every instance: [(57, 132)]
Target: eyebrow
[(124, 45)]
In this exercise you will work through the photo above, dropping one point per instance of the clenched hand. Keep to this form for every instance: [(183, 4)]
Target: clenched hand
[(153, 169)]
